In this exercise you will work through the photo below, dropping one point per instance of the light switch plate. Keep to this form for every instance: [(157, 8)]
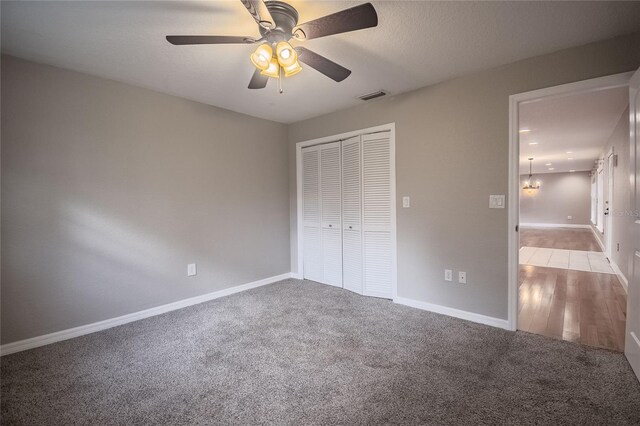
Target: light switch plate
[(406, 202), (191, 269), (496, 201)]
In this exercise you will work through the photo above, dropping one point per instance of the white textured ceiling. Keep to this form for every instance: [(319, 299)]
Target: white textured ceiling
[(416, 44), (570, 132)]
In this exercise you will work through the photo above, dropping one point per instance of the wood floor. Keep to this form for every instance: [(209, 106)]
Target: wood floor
[(559, 238), (583, 307)]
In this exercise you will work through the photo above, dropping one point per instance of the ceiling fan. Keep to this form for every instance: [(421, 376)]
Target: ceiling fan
[(278, 23)]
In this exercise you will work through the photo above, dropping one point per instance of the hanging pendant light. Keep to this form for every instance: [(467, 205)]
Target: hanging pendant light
[(529, 185)]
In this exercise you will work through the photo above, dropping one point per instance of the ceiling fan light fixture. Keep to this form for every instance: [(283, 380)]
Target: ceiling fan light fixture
[(286, 55), (273, 70), (293, 69), (262, 56)]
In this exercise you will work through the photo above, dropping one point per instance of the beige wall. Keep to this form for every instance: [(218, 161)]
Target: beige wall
[(109, 190), (560, 195), (451, 154)]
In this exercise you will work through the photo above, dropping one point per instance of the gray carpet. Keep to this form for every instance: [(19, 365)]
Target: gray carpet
[(303, 353)]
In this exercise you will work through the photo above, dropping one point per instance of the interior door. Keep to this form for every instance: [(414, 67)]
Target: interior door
[(608, 206), (632, 341), (331, 213), (312, 231), (600, 218), (377, 208), (352, 214)]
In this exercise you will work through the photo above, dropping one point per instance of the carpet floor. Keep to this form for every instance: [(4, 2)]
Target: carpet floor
[(298, 352)]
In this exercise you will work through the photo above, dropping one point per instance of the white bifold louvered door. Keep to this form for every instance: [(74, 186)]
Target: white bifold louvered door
[(312, 229), (352, 215), (377, 214), (331, 213), (348, 214), (322, 213)]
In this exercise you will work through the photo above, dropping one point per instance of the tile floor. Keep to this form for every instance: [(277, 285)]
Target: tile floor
[(590, 261)]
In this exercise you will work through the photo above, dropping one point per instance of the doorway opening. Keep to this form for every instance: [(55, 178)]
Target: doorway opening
[(568, 260)]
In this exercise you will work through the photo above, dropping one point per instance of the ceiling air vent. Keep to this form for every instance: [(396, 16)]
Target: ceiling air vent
[(372, 95)]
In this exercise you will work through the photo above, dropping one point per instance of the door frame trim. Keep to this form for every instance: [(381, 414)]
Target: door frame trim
[(390, 127), (513, 204)]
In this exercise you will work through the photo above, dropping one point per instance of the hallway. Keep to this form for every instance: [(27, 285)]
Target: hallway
[(578, 306)]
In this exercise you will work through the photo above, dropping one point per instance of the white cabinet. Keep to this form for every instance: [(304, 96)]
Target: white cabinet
[(349, 214)]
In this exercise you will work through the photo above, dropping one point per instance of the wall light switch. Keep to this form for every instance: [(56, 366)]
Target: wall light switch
[(462, 277), (191, 269), (448, 275), (406, 202), (496, 201), (569, 217)]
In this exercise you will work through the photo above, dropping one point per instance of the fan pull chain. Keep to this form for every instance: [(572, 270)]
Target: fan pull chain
[(280, 81)]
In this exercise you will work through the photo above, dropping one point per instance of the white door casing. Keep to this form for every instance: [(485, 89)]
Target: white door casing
[(632, 335)]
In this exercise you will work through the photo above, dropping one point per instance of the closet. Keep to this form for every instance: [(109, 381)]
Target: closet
[(348, 213)]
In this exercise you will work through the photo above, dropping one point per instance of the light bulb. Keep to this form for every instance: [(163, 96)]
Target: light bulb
[(286, 55), (262, 56)]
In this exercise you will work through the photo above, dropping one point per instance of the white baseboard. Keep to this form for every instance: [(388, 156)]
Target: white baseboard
[(597, 237), (554, 225), (621, 277), (34, 342), (452, 312)]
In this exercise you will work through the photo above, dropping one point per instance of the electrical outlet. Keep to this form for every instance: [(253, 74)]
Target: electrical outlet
[(191, 269), (569, 217), (406, 202), (448, 275), (462, 277)]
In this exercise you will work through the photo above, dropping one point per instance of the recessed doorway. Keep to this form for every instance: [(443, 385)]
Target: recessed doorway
[(568, 257)]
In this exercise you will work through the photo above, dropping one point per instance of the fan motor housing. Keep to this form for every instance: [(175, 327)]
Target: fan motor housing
[(285, 17)]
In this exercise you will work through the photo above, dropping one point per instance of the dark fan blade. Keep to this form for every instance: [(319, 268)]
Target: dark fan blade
[(205, 39), (260, 13), (356, 18), (320, 63), (258, 81)]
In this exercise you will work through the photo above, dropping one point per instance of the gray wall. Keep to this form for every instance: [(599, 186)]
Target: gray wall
[(451, 154), (109, 190), (622, 221), (560, 195)]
